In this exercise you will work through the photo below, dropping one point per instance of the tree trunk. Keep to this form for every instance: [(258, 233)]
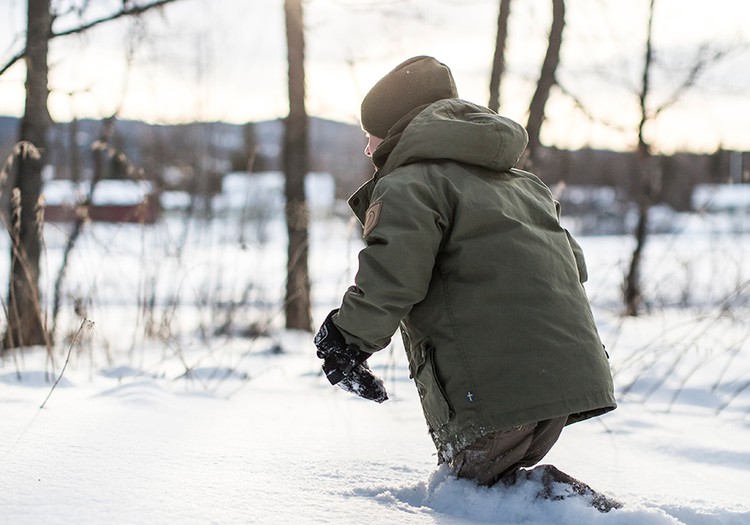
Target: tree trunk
[(646, 186), (297, 305), (632, 286), (546, 80), (25, 318), (498, 61)]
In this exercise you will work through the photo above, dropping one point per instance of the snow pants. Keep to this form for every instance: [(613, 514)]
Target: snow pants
[(498, 455)]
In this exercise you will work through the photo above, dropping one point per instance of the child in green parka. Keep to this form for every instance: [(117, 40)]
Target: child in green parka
[(465, 255)]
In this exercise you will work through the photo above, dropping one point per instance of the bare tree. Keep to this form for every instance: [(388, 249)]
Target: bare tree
[(498, 60), (547, 79), (25, 323), (296, 163), (25, 319), (647, 186)]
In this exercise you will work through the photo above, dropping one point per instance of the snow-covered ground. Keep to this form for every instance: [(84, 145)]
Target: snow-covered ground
[(173, 413)]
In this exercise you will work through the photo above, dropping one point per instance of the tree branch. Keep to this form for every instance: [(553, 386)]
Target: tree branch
[(15, 58), (704, 61), (134, 10), (127, 10), (581, 106)]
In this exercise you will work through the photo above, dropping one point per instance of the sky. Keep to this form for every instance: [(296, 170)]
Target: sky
[(225, 60)]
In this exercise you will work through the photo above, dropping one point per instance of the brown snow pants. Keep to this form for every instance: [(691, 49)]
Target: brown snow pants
[(500, 454)]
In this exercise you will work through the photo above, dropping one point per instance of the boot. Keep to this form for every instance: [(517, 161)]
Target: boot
[(549, 475)]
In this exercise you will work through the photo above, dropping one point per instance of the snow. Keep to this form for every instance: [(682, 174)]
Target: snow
[(264, 191), (63, 192), (203, 422), (722, 197)]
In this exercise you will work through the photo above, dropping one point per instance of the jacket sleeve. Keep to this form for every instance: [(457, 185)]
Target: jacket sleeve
[(403, 233)]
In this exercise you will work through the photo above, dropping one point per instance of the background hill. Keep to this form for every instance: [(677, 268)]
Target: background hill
[(194, 157)]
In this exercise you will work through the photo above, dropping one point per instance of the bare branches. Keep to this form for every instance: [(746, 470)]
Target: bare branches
[(11, 61), (581, 106), (706, 57), (126, 10)]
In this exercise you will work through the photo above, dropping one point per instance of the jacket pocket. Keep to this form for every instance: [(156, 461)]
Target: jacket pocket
[(435, 405)]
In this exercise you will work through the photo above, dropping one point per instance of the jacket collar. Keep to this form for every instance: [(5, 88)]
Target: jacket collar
[(360, 200)]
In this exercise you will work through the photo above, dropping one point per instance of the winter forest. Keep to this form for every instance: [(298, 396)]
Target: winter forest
[(173, 186)]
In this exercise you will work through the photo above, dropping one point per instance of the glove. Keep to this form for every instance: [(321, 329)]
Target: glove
[(344, 365), (339, 359), (364, 383)]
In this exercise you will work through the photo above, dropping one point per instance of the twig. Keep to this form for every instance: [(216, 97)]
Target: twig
[(84, 323), (744, 386), (126, 11), (134, 10)]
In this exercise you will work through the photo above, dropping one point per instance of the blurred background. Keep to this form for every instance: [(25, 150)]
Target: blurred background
[(135, 132)]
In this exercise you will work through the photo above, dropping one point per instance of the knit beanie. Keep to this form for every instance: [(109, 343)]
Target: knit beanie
[(418, 81)]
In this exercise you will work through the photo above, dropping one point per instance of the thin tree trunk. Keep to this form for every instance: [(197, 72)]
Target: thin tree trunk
[(498, 61), (297, 305), (632, 287), (547, 79), (25, 318), (646, 185)]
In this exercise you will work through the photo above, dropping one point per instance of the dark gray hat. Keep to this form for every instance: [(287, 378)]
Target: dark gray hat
[(418, 81)]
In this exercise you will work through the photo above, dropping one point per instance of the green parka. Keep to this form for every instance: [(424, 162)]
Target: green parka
[(467, 255)]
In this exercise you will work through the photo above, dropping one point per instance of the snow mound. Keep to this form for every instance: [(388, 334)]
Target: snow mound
[(33, 379), (124, 372), (462, 501), (145, 393)]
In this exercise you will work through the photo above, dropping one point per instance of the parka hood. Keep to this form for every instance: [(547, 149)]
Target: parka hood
[(461, 131)]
